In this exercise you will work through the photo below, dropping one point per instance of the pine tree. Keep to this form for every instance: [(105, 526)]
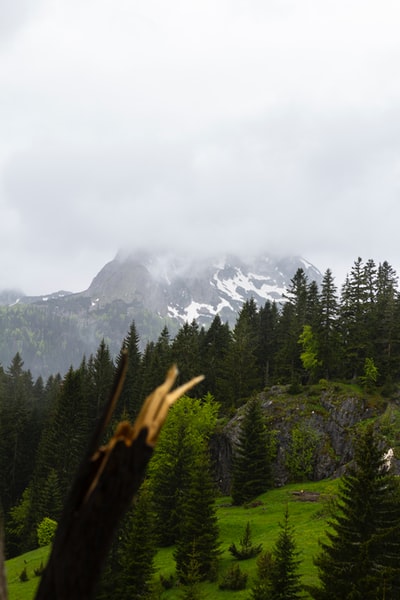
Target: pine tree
[(98, 382), (192, 577), (268, 340), (189, 425), (65, 439), (131, 399), (137, 550), (242, 371), (295, 314), (278, 575), (213, 350), (313, 306), (18, 433), (355, 316), (385, 334), (185, 351), (284, 577), (251, 464), (360, 557), (198, 528), (328, 337)]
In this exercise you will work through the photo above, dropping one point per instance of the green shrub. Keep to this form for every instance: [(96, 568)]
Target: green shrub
[(45, 531), (39, 570), (167, 582), (323, 383), (301, 454), (233, 579)]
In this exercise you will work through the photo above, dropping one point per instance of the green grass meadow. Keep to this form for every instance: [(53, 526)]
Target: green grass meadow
[(308, 518)]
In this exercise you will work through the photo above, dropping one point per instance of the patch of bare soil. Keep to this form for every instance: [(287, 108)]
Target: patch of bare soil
[(304, 496)]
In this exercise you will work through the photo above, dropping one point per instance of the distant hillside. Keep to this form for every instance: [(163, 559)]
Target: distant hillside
[(54, 331)]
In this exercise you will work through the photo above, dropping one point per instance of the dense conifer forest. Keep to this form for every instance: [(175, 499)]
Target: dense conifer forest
[(317, 334)]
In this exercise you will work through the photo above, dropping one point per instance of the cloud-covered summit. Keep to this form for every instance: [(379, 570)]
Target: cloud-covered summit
[(202, 128)]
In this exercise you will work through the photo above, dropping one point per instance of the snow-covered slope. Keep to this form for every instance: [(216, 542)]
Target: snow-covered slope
[(186, 289)]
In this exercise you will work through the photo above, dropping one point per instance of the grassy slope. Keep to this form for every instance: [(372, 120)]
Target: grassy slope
[(18, 590), (306, 518)]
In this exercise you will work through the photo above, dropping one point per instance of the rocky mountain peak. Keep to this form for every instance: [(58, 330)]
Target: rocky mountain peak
[(186, 288)]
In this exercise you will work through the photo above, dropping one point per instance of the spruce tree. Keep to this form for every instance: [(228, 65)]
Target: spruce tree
[(17, 445), (137, 549), (278, 571), (385, 334), (355, 315), (189, 425), (169, 477), (213, 350), (185, 352), (131, 400), (284, 577), (251, 462), (243, 374), (328, 337), (198, 528), (360, 557), (268, 340), (98, 382)]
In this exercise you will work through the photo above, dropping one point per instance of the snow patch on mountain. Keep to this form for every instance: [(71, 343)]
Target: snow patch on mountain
[(230, 284), (184, 288)]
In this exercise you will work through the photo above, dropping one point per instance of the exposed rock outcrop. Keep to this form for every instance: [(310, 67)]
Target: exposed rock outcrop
[(325, 422)]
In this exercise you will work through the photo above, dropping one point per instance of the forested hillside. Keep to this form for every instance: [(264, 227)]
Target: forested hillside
[(318, 337)]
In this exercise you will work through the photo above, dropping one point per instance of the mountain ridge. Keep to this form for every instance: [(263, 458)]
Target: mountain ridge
[(185, 289), (54, 331)]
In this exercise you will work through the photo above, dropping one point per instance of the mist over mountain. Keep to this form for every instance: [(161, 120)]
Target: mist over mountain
[(184, 288), (55, 331)]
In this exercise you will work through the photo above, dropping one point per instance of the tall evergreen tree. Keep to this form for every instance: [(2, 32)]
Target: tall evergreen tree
[(295, 314), (328, 336), (251, 473), (66, 440), (285, 577), (213, 350), (386, 330), (156, 361), (137, 549), (242, 371), (198, 528), (359, 560), (131, 400), (18, 432), (98, 382), (162, 359), (355, 316), (189, 425), (313, 307), (148, 380), (268, 340)]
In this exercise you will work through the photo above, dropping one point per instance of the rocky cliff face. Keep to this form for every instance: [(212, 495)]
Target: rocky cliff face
[(318, 427)]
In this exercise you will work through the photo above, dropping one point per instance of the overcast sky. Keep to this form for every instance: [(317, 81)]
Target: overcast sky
[(200, 125)]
